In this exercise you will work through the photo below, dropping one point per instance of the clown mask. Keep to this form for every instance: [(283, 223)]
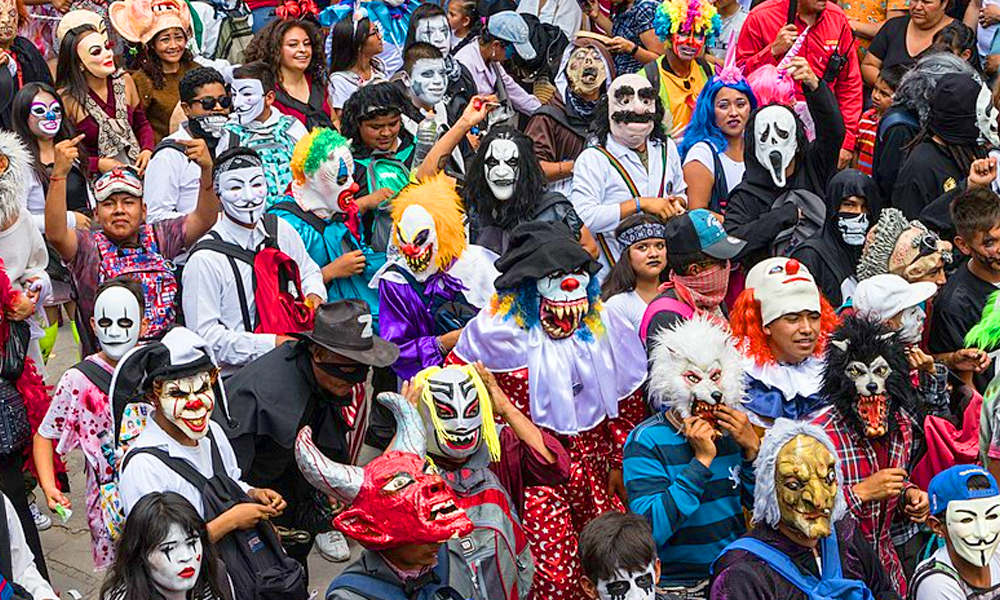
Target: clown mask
[(428, 81), (563, 302), (629, 585), (458, 418), (248, 100), (95, 53), (242, 191), (331, 188), (986, 116), (188, 402), (586, 71), (117, 320), (974, 528), (8, 22), (783, 286), (45, 116), (502, 170), (806, 482), (775, 141), (175, 563), (416, 235), (688, 45), (631, 110), (870, 386), (436, 32)]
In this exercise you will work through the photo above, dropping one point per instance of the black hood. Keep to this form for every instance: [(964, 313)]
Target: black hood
[(756, 173), (849, 182)]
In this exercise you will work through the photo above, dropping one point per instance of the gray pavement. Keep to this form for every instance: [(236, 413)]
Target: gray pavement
[(67, 546)]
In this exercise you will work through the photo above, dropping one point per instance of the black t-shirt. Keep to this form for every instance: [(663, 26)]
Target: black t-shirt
[(957, 307), (889, 44), (926, 174)]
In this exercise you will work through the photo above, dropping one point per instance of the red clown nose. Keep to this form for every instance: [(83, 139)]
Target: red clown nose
[(792, 267), (568, 285)]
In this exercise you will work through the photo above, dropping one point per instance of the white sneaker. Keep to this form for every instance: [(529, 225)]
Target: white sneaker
[(42, 522), (333, 546)]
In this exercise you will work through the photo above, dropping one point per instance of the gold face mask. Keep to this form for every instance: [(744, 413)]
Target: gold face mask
[(806, 484)]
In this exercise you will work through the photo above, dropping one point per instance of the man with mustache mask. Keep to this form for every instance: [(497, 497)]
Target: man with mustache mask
[(172, 180), (633, 168)]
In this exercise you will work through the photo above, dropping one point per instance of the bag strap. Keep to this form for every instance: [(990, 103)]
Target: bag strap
[(310, 219), (6, 563), (232, 252), (177, 465), (270, 221), (721, 185), (96, 374), (777, 560), (663, 304)]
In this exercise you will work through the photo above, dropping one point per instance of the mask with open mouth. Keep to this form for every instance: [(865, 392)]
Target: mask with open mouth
[(872, 407), (455, 410), (974, 528), (417, 236), (775, 140), (188, 402), (208, 127), (586, 71), (563, 302)]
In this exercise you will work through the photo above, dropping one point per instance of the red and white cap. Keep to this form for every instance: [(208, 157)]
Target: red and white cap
[(782, 286), (118, 180)]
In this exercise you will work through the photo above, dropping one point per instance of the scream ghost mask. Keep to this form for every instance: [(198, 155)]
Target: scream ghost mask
[(563, 302), (775, 140), (241, 185), (323, 169), (428, 80), (986, 116), (456, 411), (417, 236), (502, 169), (806, 485), (436, 32), (175, 563), (248, 100), (586, 71), (631, 109), (629, 585), (188, 402), (117, 321)]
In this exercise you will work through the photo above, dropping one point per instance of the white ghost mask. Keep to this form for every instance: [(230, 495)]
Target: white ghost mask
[(242, 191), (416, 236), (775, 141), (175, 563), (502, 170), (436, 32), (986, 116), (188, 402), (428, 81), (974, 528), (631, 110), (117, 320), (248, 100), (629, 585)]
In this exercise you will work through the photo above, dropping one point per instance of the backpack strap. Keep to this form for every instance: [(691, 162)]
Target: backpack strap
[(895, 118), (720, 188), (166, 144), (96, 374), (309, 218), (663, 304), (367, 586), (933, 567), (652, 73), (177, 465), (777, 560), (232, 252), (270, 221)]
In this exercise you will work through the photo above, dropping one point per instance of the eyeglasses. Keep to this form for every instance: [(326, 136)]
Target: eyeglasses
[(210, 102)]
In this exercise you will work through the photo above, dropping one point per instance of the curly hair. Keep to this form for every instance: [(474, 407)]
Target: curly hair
[(151, 64), (748, 327), (266, 46), (915, 89), (529, 187), (194, 79), (695, 16)]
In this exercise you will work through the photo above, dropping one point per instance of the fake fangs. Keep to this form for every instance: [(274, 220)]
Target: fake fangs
[(420, 261), (561, 319), (873, 411), (463, 441), (704, 410)]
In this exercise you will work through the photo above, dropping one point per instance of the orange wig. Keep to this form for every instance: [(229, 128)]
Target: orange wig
[(748, 328)]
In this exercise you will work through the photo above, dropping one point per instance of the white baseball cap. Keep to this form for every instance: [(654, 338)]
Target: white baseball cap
[(882, 297)]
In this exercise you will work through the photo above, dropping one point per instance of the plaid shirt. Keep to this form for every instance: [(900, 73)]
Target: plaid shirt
[(858, 461)]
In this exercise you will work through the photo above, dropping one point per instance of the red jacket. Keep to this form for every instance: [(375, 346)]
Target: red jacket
[(830, 34)]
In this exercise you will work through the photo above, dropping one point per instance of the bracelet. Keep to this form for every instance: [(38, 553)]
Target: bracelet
[(635, 50), (638, 206), (56, 178)]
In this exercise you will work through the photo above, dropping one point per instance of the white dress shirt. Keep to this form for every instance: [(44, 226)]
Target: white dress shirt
[(486, 79), (599, 189), (211, 300), (172, 182), (22, 560), (564, 14)]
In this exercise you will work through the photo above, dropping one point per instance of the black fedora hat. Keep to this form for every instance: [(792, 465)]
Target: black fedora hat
[(345, 328), (538, 249)]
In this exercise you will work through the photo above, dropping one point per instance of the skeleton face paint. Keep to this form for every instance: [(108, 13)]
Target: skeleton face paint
[(986, 116), (775, 143), (806, 482), (563, 302), (8, 22), (45, 116), (974, 528), (117, 320), (502, 169), (911, 328), (175, 563), (188, 403), (243, 192), (631, 109), (436, 32), (248, 100), (872, 406), (95, 52), (429, 80), (629, 585), (457, 409), (417, 239), (331, 188), (586, 71)]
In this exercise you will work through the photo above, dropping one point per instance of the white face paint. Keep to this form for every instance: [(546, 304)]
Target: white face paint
[(175, 563), (242, 192), (331, 188), (416, 235), (428, 80), (911, 328), (117, 320), (631, 110), (629, 585), (775, 142), (974, 528), (436, 32), (986, 116), (248, 100), (501, 166), (188, 403)]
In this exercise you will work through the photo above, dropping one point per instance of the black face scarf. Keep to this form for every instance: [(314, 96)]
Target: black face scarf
[(953, 109)]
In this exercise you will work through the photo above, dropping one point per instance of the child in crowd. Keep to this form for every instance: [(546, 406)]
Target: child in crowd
[(882, 93), (618, 557), (465, 22)]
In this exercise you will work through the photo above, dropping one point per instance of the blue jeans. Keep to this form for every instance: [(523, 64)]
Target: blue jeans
[(261, 17)]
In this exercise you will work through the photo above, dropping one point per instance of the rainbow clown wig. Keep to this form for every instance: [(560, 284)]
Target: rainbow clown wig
[(436, 195), (687, 16), (315, 148)]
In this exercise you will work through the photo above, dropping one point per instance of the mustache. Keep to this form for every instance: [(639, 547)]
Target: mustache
[(627, 116)]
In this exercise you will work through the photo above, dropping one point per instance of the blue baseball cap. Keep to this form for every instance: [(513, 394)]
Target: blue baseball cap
[(953, 484), (511, 27), (701, 231)]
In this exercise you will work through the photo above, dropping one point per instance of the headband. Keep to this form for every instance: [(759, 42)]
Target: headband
[(640, 232), (242, 160)]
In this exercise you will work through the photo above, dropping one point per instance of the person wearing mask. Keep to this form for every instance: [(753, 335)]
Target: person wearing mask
[(634, 42), (635, 279), (23, 62), (902, 39), (430, 24)]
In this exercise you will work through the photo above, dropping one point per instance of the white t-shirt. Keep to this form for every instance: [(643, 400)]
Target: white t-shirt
[(731, 27), (344, 83), (940, 586), (629, 306), (702, 152)]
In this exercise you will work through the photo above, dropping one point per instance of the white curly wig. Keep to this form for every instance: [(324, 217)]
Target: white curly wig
[(765, 500), (13, 181)]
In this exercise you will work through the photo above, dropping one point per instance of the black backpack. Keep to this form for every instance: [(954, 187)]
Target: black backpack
[(254, 558), (6, 566)]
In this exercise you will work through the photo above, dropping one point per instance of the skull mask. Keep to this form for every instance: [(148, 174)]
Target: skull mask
[(629, 585), (775, 140), (631, 110), (586, 71), (416, 236), (117, 320), (986, 116), (563, 302), (806, 486), (502, 168), (456, 425), (188, 402)]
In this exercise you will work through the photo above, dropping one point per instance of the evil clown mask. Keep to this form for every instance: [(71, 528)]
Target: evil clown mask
[(986, 116), (323, 167), (436, 32), (45, 116), (631, 109), (586, 71), (8, 22), (248, 100), (416, 235), (96, 54), (806, 486), (188, 402), (117, 321), (563, 302), (175, 563), (629, 585), (974, 528), (454, 408), (775, 141), (502, 168), (242, 188), (428, 80)]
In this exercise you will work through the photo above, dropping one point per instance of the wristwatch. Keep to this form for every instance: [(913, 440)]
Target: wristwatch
[(634, 50)]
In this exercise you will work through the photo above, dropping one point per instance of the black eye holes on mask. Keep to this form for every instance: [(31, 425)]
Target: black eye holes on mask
[(124, 322), (781, 133)]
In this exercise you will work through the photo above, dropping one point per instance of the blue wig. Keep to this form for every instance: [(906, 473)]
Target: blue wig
[(702, 127)]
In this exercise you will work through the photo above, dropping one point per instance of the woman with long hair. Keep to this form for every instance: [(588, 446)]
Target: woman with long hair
[(293, 48), (163, 61), (165, 554), (354, 59), (465, 22), (635, 279), (102, 102)]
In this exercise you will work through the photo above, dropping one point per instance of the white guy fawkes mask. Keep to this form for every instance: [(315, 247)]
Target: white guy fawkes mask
[(248, 100), (586, 71), (974, 528), (456, 404), (436, 32), (331, 188), (175, 563), (117, 320), (502, 171), (629, 585), (242, 192), (986, 116), (417, 238), (563, 302), (188, 403), (428, 81), (631, 110), (775, 142)]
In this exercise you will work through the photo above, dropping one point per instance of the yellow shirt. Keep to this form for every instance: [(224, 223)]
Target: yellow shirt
[(679, 95)]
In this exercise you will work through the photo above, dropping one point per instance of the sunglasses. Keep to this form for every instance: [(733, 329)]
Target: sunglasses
[(210, 102), (926, 245)]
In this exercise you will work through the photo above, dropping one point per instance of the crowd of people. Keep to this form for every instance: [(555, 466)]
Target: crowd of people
[(617, 300)]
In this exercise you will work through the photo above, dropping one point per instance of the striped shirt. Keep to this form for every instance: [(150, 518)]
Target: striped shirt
[(694, 511)]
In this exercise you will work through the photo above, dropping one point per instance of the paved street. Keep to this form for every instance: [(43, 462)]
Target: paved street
[(67, 546)]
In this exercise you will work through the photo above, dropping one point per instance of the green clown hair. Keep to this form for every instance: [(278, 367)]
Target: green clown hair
[(312, 150), (986, 333), (490, 437)]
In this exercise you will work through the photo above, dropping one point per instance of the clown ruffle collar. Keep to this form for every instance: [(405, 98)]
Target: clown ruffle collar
[(781, 390), (473, 270)]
